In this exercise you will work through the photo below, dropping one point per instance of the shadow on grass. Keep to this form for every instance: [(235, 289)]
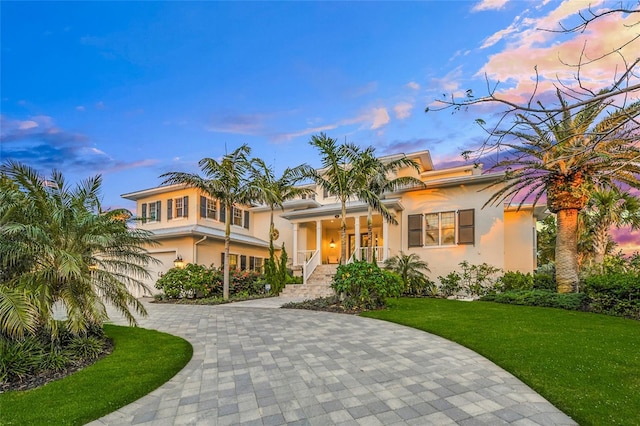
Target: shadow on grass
[(142, 361)]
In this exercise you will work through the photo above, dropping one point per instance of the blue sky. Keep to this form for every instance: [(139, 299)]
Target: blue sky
[(131, 90)]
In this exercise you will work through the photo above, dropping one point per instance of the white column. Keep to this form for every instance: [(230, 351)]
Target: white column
[(357, 229), (319, 238), (385, 239), (295, 244)]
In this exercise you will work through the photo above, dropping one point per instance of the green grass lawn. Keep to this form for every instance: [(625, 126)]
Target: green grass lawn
[(587, 365), (141, 361)]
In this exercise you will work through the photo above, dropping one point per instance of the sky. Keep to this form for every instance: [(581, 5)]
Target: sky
[(131, 90)]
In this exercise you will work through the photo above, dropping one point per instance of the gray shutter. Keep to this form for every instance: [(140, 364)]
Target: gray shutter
[(415, 230), (246, 219), (169, 209), (144, 212), (222, 260), (243, 262), (185, 206), (223, 212), (252, 263), (158, 210), (203, 206), (466, 226)]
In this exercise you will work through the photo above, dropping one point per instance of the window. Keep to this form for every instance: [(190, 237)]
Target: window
[(441, 229), (181, 207), (237, 216), (208, 208), (151, 212), (255, 263), (233, 261)]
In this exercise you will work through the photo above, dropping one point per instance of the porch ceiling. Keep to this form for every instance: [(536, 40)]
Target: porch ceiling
[(336, 209)]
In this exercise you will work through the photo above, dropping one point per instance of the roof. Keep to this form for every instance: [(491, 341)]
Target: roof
[(336, 209), (202, 231)]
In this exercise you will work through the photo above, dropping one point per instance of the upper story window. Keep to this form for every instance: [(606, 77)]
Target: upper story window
[(239, 217), (441, 228), (208, 208), (151, 212), (177, 207)]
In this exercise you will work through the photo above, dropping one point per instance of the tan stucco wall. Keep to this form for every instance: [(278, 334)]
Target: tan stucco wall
[(519, 241)]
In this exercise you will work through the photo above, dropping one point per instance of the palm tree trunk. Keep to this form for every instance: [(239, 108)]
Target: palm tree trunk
[(567, 250), (227, 244), (370, 234), (600, 240), (343, 234)]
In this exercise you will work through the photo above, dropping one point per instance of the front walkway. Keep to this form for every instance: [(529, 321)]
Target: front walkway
[(258, 366)]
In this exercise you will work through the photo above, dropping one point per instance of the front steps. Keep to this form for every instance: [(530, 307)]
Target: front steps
[(318, 284)]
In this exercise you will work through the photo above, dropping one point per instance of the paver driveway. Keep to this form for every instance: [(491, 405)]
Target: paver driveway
[(258, 366)]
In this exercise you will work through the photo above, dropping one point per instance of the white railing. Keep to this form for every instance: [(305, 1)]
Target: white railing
[(378, 254), (310, 265), (304, 256)]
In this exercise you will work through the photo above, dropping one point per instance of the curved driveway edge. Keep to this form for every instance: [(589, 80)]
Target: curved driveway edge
[(256, 366)]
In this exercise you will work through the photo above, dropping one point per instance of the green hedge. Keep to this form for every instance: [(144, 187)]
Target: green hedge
[(545, 298), (614, 294)]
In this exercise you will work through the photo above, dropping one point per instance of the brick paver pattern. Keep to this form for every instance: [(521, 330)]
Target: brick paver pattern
[(258, 366)]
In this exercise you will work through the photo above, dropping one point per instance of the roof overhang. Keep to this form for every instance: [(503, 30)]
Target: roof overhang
[(152, 191), (539, 212), (336, 209), (205, 231)]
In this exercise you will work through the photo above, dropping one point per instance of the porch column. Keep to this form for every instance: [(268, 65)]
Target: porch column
[(295, 245), (357, 229), (385, 239), (319, 238)]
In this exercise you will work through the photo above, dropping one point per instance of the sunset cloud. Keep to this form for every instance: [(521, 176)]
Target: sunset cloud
[(403, 110), (489, 5), (380, 118)]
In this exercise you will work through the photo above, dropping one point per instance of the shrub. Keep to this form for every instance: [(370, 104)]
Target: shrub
[(614, 294), (191, 281), (86, 348), (364, 285), (544, 281), (450, 284), (544, 298), (19, 358), (515, 281), (247, 282), (475, 280)]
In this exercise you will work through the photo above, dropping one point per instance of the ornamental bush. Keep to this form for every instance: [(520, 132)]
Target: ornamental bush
[(191, 281), (614, 294), (515, 281), (364, 285)]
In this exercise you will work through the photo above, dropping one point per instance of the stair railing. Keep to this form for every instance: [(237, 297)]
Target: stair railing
[(310, 266)]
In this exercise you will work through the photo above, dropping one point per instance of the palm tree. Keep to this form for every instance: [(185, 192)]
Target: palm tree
[(338, 177), (226, 181), (76, 254), (409, 267), (375, 179), (606, 208), (566, 157), (272, 192)]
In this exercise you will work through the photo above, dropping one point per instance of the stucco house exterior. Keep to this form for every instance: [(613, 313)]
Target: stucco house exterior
[(443, 222)]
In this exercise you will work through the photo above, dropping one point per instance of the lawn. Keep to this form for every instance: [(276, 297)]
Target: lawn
[(587, 365), (141, 361)]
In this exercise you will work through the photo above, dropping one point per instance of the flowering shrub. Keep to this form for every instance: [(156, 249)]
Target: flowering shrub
[(364, 285), (191, 281)]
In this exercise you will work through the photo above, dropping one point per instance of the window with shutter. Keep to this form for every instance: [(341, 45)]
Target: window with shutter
[(203, 206), (144, 212), (415, 230), (466, 226), (252, 263), (169, 209), (185, 203), (158, 209), (243, 262), (246, 219)]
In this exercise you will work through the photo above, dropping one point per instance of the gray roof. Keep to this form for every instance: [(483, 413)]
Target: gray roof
[(201, 231)]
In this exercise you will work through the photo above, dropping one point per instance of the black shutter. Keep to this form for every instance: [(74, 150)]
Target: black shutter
[(169, 208), (246, 219), (158, 210), (144, 212), (185, 206), (466, 226), (252, 263), (203, 206), (243, 262), (222, 260), (223, 213), (415, 230)]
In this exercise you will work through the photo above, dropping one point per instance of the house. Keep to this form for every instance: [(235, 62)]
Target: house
[(443, 222)]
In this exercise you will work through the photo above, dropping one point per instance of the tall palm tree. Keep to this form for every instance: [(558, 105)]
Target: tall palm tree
[(376, 182), (410, 267), (77, 254), (338, 177), (227, 181), (609, 207), (566, 157), (272, 191)]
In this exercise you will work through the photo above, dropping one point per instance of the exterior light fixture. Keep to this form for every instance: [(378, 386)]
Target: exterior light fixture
[(332, 244), (178, 263)]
